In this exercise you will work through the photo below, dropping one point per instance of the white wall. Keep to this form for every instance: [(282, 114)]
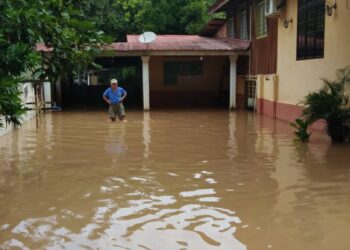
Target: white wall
[(28, 95)]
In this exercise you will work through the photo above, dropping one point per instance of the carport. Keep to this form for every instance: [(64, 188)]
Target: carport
[(184, 69), (173, 70)]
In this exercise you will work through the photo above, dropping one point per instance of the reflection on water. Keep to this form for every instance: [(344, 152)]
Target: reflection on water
[(171, 180)]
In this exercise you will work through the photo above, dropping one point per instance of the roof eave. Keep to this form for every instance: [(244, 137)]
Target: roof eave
[(216, 7), (212, 27), (174, 53)]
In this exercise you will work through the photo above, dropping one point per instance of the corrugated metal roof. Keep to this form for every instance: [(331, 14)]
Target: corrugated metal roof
[(181, 43), (174, 43)]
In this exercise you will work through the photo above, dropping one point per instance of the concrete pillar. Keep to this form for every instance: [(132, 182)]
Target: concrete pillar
[(146, 132), (145, 81), (233, 81)]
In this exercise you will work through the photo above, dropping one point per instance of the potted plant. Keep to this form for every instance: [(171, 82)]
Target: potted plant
[(330, 103)]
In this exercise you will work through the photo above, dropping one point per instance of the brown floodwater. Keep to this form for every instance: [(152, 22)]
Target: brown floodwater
[(171, 180)]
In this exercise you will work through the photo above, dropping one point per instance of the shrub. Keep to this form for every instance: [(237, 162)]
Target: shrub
[(331, 104)]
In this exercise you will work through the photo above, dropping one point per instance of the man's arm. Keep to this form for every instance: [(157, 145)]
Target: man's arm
[(124, 96), (106, 99)]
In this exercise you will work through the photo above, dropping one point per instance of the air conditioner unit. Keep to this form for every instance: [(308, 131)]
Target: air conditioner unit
[(273, 7)]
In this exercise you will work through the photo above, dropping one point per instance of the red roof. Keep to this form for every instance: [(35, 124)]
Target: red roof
[(181, 43), (173, 43)]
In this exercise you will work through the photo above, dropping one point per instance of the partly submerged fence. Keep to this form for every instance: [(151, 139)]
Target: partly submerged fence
[(36, 96)]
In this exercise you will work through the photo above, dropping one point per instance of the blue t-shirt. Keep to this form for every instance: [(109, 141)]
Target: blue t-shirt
[(114, 96)]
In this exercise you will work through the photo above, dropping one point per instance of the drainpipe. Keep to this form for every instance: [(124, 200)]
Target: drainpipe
[(250, 38), (250, 53), (233, 82)]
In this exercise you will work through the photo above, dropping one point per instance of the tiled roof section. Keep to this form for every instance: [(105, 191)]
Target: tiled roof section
[(174, 43), (181, 43)]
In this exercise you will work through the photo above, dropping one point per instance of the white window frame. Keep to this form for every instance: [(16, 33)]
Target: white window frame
[(260, 19), (243, 24)]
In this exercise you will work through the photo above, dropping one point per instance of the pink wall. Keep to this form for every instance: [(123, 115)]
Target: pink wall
[(284, 112)]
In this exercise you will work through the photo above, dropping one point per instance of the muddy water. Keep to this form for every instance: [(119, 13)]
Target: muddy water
[(171, 180)]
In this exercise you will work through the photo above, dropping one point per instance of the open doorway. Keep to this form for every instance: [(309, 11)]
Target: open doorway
[(86, 92)]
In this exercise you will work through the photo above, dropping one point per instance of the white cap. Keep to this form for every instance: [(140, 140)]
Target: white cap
[(114, 81)]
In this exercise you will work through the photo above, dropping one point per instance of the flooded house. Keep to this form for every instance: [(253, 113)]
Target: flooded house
[(172, 71), (294, 43), (188, 178), (187, 70), (265, 55)]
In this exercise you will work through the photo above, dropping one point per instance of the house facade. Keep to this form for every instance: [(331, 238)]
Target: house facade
[(295, 43), (186, 70), (173, 70)]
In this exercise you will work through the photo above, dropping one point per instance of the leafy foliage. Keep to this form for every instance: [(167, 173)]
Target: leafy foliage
[(302, 127), (10, 102), (119, 17), (55, 23), (331, 104), (327, 104)]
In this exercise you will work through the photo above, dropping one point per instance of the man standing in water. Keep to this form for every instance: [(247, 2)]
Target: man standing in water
[(115, 96)]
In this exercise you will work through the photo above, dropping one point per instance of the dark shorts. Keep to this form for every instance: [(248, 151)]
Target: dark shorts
[(116, 110)]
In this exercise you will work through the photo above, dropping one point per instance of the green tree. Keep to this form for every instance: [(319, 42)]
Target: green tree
[(194, 16), (119, 17), (115, 17), (56, 23), (175, 17)]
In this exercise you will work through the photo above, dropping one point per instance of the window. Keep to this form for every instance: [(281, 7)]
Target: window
[(311, 24), (250, 93), (174, 69), (243, 25), (260, 19), (230, 28)]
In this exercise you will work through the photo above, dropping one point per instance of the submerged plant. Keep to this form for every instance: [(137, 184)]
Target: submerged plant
[(331, 104), (302, 127)]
